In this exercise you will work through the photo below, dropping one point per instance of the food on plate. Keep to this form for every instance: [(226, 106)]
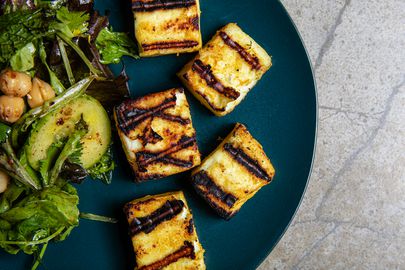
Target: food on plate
[(11, 108), (233, 173), (14, 83), (41, 91), (163, 233), (157, 134), (167, 26), (65, 136), (61, 124), (225, 70)]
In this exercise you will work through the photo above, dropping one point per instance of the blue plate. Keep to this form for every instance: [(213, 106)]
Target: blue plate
[(281, 112)]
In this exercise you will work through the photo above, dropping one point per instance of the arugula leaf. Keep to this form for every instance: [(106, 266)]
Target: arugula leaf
[(23, 59), (11, 164), (72, 150), (113, 45), (46, 164), (35, 218), (9, 197), (103, 169)]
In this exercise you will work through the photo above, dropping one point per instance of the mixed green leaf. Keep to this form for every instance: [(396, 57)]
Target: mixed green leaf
[(68, 44)]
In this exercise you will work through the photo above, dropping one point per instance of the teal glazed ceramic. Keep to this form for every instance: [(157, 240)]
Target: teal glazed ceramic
[(280, 112)]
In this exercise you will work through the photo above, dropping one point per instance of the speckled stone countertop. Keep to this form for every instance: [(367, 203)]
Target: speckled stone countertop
[(353, 212)]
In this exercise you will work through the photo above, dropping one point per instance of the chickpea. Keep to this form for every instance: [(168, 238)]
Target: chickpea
[(4, 181), (11, 108), (14, 83), (40, 92)]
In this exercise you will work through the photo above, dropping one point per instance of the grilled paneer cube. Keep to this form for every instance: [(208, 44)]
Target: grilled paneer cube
[(163, 233), (157, 134), (233, 173), (225, 70), (167, 26)]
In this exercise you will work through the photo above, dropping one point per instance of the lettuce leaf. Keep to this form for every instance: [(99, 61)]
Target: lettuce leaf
[(114, 45), (30, 220)]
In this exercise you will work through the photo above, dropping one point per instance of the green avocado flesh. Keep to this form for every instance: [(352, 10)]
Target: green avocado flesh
[(61, 123)]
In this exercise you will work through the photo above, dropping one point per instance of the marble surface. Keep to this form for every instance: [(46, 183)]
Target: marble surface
[(353, 213)]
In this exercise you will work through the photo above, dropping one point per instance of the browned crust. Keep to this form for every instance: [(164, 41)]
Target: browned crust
[(206, 188), (150, 136), (144, 158), (165, 45), (186, 251), (218, 209), (128, 207), (142, 6), (253, 61), (203, 179), (142, 177), (246, 161), (205, 72), (173, 118), (146, 224)]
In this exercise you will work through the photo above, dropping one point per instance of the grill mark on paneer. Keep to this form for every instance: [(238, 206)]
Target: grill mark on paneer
[(174, 118), (205, 72), (186, 251), (129, 116), (146, 224), (246, 161), (145, 158), (203, 179), (253, 61), (164, 45), (142, 6), (150, 136), (215, 108)]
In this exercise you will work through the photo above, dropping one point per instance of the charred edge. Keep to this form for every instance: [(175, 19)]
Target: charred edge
[(142, 177), (186, 77), (190, 226), (186, 251), (203, 179), (218, 209), (169, 45), (253, 61), (141, 6), (250, 164), (174, 118), (147, 224), (195, 22), (129, 116), (205, 73), (145, 158)]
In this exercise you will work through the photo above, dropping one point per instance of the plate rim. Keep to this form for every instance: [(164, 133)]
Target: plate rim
[(261, 259)]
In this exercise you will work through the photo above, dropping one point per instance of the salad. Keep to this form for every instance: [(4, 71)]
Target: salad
[(56, 95)]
